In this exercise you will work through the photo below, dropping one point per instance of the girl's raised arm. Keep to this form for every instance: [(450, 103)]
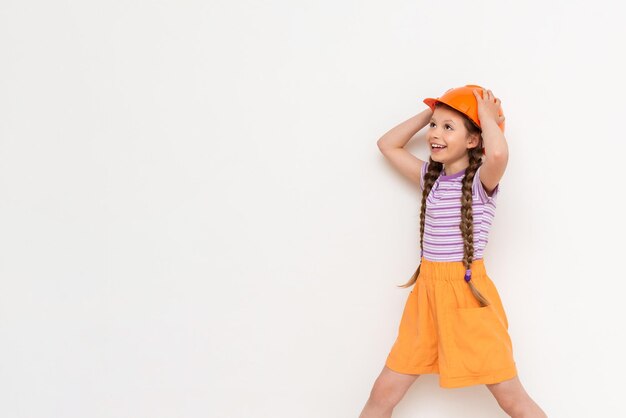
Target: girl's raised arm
[(392, 143)]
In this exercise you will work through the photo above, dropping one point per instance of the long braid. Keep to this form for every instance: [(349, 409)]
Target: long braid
[(467, 219), (434, 170)]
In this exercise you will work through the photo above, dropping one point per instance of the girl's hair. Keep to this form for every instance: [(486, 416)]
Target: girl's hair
[(467, 216)]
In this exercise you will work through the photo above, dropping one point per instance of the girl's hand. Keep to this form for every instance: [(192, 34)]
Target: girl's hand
[(488, 107)]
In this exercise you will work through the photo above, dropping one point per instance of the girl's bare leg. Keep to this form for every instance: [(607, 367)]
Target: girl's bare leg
[(389, 388), (514, 400)]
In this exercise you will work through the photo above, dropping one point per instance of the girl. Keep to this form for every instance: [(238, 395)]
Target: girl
[(453, 323)]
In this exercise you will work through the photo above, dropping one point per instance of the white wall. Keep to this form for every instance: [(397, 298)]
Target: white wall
[(195, 220)]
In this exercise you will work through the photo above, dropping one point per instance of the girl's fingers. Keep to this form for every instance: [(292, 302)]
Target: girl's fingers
[(491, 97), (486, 96)]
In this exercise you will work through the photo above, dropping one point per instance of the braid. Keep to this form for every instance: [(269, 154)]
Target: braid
[(434, 169), (467, 219)]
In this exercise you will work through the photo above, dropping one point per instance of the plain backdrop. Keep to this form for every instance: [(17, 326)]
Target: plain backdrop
[(195, 219)]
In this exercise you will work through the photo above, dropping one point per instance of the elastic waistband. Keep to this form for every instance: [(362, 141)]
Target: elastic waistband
[(451, 270)]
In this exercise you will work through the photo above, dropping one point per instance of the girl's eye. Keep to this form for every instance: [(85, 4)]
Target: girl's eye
[(447, 125)]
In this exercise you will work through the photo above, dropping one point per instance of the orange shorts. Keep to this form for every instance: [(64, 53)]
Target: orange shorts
[(444, 329)]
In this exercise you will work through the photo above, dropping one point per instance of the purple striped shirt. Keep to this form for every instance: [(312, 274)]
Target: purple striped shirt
[(443, 240)]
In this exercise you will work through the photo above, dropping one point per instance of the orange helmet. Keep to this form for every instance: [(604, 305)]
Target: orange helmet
[(463, 100)]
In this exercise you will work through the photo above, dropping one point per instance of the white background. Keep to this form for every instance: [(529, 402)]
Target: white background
[(195, 219)]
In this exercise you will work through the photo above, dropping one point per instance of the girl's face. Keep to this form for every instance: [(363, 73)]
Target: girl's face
[(446, 128)]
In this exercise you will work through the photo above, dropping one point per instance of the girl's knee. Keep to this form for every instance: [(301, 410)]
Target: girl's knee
[(384, 398), (388, 392)]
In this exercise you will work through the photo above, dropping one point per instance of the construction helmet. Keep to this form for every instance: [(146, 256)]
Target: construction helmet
[(463, 100)]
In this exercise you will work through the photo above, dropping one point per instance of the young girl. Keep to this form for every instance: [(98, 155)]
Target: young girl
[(454, 323)]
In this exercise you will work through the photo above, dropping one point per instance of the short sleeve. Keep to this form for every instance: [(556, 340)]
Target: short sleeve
[(424, 170), (480, 191)]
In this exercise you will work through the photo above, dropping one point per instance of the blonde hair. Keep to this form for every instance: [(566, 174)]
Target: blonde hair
[(467, 216)]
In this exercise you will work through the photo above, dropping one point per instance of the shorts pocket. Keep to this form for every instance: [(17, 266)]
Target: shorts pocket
[(497, 303), (481, 341)]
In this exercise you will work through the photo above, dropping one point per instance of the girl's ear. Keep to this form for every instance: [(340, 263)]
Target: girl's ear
[(474, 140)]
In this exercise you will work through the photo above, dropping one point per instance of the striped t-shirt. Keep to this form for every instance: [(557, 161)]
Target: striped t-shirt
[(443, 240)]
